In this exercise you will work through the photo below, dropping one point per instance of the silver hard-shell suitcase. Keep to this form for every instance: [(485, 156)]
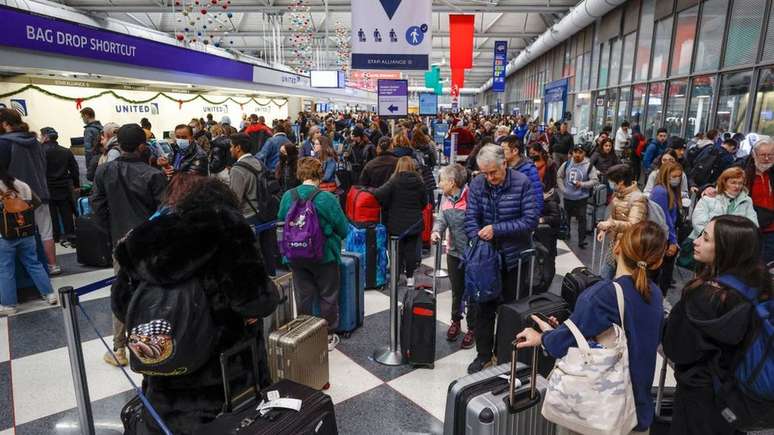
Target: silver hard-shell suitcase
[(492, 402)]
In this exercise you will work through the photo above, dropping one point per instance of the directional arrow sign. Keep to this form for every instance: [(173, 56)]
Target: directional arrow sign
[(390, 6), (393, 98)]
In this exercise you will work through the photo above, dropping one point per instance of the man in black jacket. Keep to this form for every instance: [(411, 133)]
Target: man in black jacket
[(189, 157), (127, 191), (92, 130), (380, 169), (561, 144), (63, 178), (362, 152)]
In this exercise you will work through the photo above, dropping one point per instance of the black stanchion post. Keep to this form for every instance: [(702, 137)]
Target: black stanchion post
[(391, 355), (68, 299)]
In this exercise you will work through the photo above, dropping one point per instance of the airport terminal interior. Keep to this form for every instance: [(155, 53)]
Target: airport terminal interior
[(691, 70)]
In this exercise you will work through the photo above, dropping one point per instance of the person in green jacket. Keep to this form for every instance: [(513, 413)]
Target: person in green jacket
[(319, 280)]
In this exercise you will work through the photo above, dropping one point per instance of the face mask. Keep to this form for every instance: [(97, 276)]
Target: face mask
[(763, 167), (183, 144), (674, 182)]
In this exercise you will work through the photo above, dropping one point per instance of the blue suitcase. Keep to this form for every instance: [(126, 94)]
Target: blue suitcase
[(351, 293), (84, 206), (371, 241)]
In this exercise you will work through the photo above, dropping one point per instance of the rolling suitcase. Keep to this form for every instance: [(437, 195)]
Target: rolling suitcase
[(240, 416), (84, 207), (575, 282), (371, 241), (93, 245), (500, 400), (596, 209), (417, 327), (284, 311), (298, 351), (351, 293), (664, 399), (514, 317)]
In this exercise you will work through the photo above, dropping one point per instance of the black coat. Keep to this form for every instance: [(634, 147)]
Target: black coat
[(403, 197), (220, 154), (237, 288), (194, 160), (61, 171), (378, 170)]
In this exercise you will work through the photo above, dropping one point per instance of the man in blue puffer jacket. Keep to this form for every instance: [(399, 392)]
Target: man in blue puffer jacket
[(521, 129), (502, 209), (514, 156)]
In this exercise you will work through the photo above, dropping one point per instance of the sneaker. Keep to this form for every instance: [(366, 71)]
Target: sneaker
[(54, 269), (479, 364), (410, 281), (469, 340), (51, 298), (7, 310), (119, 360), (454, 331), (333, 341)]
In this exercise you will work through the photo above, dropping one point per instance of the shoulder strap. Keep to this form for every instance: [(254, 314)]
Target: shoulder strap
[(735, 283), (294, 194), (314, 194), (619, 296)]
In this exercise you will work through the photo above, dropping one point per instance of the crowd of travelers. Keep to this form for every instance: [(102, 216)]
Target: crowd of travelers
[(188, 206)]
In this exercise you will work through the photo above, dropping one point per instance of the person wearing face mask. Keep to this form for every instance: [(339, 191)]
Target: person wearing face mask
[(200, 134), (188, 156), (669, 156), (514, 156), (545, 166), (628, 207), (759, 181), (666, 193)]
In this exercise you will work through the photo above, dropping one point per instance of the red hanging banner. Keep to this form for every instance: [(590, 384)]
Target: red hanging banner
[(461, 28), (457, 80)]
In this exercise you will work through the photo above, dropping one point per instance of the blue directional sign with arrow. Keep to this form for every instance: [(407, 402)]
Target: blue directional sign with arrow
[(390, 6), (393, 98)]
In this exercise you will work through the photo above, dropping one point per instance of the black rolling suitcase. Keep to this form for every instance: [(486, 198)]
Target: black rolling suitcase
[(241, 417), (417, 327), (664, 398), (575, 282), (93, 246)]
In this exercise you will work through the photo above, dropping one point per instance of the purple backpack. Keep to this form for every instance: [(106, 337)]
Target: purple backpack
[(302, 236)]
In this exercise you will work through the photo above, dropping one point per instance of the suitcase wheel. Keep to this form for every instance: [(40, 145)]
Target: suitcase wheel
[(326, 386)]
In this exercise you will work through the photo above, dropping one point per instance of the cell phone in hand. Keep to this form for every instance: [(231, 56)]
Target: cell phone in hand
[(544, 318)]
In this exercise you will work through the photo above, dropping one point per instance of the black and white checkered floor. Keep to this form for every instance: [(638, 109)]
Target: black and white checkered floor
[(36, 384)]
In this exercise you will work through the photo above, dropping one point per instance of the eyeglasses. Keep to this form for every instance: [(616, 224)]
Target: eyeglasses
[(764, 156)]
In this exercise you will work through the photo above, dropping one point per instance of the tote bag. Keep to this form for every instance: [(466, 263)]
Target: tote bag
[(590, 389)]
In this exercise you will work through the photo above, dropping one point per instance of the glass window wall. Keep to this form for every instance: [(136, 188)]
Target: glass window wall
[(610, 107), (587, 71), (744, 32), (768, 46), (639, 96), (675, 109), (604, 65), (623, 105), (661, 48), (627, 64), (702, 89), (578, 74), (599, 115), (710, 40), (615, 62), (645, 39), (655, 115), (684, 36), (582, 114), (734, 96), (763, 117)]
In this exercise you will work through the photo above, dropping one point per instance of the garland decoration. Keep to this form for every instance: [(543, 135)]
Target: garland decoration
[(79, 100), (301, 37), (343, 51)]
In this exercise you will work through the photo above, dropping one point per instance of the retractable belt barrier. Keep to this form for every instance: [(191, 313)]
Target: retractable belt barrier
[(69, 299)]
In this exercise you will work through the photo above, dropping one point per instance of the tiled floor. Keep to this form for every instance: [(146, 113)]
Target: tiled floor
[(370, 398)]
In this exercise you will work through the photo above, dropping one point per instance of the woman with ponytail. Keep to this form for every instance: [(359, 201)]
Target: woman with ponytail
[(639, 250), (706, 331)]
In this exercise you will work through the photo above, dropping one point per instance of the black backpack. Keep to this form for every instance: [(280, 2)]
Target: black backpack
[(170, 327), (267, 193), (575, 282), (706, 166)]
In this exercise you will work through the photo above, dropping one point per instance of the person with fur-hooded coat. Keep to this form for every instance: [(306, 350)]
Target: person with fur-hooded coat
[(204, 235)]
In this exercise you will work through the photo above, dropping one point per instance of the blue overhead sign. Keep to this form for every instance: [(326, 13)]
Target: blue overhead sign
[(499, 64), (428, 103)]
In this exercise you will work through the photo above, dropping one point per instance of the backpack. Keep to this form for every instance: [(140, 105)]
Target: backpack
[(693, 152), (482, 272), (170, 328), (575, 282), (706, 167), (362, 206), (302, 237), (656, 215), (747, 397), (18, 216), (266, 193)]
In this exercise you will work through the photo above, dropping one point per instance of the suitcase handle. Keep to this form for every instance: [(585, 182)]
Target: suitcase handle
[(533, 397)]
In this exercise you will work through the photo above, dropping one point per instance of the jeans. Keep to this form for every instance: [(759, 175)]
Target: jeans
[(26, 250), (119, 328)]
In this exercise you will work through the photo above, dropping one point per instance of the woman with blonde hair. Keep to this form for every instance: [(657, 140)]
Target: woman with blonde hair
[(666, 193), (403, 198)]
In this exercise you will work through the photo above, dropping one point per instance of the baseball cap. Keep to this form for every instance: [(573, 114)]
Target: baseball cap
[(225, 120), (48, 131), (579, 146)]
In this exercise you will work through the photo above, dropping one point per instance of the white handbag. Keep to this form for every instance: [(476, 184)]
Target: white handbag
[(590, 389)]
